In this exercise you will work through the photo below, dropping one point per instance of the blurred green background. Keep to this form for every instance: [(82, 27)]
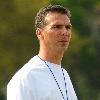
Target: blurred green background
[(18, 42)]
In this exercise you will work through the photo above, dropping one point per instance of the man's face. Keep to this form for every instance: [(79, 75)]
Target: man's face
[(57, 32)]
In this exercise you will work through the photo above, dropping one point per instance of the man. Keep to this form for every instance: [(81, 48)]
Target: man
[(43, 78)]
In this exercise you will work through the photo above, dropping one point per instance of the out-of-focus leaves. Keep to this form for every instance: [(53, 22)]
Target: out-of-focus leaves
[(18, 42)]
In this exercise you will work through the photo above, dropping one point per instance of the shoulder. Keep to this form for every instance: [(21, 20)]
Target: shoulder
[(21, 83), (66, 73), (24, 74), (67, 76), (70, 87), (30, 71)]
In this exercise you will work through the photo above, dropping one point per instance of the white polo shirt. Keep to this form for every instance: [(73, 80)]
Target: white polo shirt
[(34, 81)]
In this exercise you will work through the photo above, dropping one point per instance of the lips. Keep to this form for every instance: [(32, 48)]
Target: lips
[(63, 41)]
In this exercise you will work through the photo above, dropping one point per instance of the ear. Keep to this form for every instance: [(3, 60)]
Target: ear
[(39, 33)]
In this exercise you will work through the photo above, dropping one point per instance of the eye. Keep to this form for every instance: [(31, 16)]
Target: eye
[(57, 26), (68, 27)]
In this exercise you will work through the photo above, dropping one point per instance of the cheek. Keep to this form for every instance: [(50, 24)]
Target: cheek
[(70, 34), (47, 37), (51, 36)]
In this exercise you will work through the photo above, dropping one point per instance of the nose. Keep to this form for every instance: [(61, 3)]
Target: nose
[(65, 31)]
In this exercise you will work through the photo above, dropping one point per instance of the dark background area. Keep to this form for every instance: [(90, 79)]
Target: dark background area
[(18, 42)]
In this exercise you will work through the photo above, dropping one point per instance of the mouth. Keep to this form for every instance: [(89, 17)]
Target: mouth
[(63, 41)]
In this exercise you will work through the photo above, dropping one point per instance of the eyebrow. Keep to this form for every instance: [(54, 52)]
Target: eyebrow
[(62, 24)]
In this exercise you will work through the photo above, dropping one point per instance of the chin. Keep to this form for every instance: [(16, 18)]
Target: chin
[(62, 49), (64, 46)]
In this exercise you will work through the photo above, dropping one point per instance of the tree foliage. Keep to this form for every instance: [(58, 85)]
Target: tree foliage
[(18, 42)]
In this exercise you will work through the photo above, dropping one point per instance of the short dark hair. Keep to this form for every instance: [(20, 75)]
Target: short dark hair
[(40, 17)]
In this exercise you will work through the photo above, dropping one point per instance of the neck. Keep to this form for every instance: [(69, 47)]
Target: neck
[(50, 56)]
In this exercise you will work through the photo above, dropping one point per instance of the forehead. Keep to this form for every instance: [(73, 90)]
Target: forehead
[(57, 18)]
